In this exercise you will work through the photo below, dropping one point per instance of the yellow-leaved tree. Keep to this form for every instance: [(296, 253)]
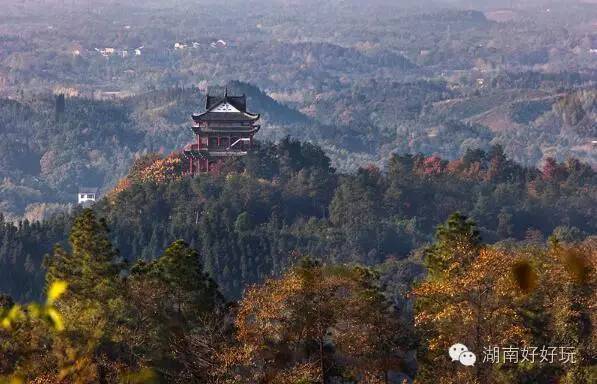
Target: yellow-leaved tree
[(315, 324), (22, 330), (520, 297)]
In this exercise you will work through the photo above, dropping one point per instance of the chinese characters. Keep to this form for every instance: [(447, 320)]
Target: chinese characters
[(519, 355)]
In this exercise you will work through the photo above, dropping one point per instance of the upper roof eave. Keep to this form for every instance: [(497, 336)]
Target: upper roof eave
[(225, 116)]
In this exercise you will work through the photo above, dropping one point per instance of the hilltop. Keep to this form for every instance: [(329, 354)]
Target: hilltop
[(46, 156), (249, 221)]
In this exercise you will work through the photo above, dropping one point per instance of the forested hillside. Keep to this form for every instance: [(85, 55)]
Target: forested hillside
[(362, 80), (424, 173), (49, 147), (285, 199), (48, 150), (122, 306)]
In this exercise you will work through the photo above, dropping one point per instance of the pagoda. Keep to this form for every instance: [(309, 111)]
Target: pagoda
[(224, 130)]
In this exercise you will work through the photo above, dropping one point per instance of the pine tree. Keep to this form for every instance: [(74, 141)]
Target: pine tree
[(93, 306), (174, 314), (181, 270), (457, 241), (90, 267)]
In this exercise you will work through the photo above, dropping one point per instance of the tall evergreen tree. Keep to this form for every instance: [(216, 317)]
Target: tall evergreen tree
[(457, 240), (91, 266), (174, 315), (181, 270)]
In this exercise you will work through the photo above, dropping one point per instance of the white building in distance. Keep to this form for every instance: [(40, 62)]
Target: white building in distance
[(88, 195)]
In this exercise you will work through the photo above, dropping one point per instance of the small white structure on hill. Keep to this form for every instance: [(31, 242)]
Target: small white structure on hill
[(106, 52), (88, 195)]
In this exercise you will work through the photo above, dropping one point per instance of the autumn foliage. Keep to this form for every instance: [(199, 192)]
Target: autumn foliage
[(152, 168), (503, 296), (314, 324)]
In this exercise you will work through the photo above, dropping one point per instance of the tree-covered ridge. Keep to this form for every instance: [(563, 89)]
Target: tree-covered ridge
[(251, 220), (363, 80), (164, 321), (286, 48), (50, 146)]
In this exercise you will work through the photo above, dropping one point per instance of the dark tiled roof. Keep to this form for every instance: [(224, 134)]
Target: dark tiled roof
[(89, 190), (239, 102), (225, 116)]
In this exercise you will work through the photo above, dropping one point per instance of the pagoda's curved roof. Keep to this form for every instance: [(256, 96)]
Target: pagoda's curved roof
[(236, 109), (239, 102), (225, 116)]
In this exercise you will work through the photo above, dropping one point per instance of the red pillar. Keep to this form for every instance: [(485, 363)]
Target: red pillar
[(191, 165)]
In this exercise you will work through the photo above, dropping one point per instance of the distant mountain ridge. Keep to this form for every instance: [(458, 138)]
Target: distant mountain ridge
[(46, 156), (95, 141)]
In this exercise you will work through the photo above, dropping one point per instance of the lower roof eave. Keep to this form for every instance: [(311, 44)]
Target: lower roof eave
[(253, 130), (195, 154)]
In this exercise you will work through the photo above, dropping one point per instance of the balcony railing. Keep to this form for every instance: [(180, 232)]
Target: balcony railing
[(238, 145)]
